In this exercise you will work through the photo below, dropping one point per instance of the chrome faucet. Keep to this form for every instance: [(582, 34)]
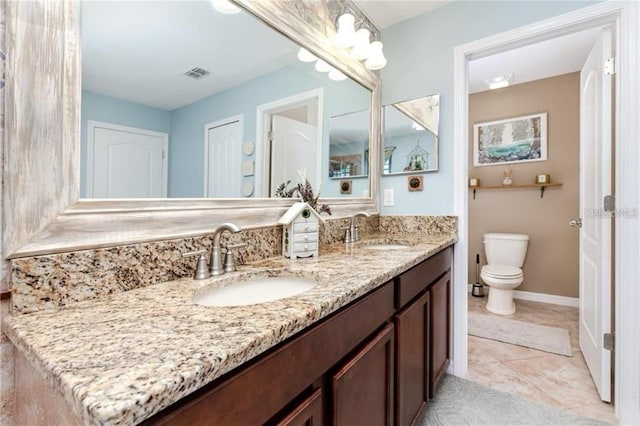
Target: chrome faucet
[(216, 266), (351, 235)]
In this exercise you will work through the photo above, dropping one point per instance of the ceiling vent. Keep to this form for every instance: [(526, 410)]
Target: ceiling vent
[(197, 73)]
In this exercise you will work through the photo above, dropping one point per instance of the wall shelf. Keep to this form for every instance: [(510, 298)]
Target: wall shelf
[(542, 187)]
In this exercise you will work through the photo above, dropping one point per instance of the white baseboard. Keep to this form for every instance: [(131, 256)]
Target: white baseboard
[(539, 297)]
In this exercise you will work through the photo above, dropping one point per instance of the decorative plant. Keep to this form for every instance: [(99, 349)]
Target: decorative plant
[(305, 192)]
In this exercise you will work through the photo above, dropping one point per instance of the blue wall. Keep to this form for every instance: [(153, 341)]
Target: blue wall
[(98, 107), (420, 55), (186, 146)]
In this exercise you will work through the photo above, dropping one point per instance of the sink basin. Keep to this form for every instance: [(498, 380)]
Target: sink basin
[(253, 290), (386, 246)]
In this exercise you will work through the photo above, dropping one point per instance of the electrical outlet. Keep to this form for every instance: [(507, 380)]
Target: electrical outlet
[(388, 198)]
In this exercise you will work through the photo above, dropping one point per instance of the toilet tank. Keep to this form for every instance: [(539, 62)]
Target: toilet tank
[(506, 249)]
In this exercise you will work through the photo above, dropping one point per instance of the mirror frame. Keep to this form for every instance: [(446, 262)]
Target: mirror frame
[(43, 212)]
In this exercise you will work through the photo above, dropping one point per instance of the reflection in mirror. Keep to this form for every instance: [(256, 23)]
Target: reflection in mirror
[(411, 136), (349, 151), (349, 145), (178, 101)]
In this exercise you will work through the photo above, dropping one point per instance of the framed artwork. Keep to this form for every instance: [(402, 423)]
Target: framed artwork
[(513, 140)]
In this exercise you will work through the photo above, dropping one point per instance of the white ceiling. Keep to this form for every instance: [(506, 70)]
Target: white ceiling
[(549, 58)]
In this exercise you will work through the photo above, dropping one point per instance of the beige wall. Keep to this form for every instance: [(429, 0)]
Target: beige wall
[(551, 265)]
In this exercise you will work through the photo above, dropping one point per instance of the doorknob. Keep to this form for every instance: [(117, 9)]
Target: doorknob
[(576, 222)]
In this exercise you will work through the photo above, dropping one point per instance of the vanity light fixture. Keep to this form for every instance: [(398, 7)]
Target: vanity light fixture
[(337, 75), (322, 66), (500, 82), (305, 56), (346, 35), (362, 45), (376, 59), (225, 6)]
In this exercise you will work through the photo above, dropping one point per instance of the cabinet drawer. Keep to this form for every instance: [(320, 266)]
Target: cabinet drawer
[(304, 247), (416, 279), (305, 227), (303, 237)]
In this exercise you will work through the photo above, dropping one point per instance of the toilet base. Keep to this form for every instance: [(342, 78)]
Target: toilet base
[(500, 301)]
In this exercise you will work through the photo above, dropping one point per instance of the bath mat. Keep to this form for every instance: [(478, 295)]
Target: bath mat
[(541, 337)]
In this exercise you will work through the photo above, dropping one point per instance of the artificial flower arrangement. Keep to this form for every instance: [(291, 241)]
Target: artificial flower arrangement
[(304, 190)]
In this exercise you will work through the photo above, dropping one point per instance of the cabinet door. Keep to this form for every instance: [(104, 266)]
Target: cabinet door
[(439, 329), (307, 413), (412, 350), (362, 388)]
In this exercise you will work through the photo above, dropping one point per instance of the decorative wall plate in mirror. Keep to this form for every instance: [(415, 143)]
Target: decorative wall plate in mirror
[(411, 136), (156, 73), (44, 152)]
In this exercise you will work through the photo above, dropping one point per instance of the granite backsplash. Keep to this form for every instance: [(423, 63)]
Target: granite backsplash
[(57, 280)]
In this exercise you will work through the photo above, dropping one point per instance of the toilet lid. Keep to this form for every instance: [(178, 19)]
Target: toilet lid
[(502, 271)]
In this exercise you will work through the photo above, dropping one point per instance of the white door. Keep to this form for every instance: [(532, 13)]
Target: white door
[(595, 233), (294, 146), (125, 162), (223, 159)]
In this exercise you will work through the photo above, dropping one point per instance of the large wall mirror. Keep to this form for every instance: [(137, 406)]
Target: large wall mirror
[(200, 85), (180, 100), (411, 136)]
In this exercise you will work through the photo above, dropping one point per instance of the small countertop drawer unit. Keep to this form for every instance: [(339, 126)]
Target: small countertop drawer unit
[(300, 233)]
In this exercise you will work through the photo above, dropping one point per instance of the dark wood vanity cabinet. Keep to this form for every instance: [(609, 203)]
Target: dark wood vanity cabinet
[(422, 334), (374, 362), (362, 389), (440, 342)]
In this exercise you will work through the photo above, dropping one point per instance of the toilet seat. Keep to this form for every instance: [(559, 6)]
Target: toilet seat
[(502, 272)]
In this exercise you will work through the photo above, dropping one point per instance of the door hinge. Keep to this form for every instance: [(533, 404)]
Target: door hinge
[(610, 66), (163, 154), (270, 136), (609, 341), (609, 203)]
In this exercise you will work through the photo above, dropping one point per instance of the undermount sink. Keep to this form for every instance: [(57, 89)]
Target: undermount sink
[(253, 290)]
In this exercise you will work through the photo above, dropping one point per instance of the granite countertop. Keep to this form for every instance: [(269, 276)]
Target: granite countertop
[(124, 357)]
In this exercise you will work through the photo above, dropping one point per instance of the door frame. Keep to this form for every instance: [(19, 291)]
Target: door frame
[(239, 118), (624, 17), (263, 122), (91, 126)]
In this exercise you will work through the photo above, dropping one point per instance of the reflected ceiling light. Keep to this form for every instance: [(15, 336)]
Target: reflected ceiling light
[(322, 66), (225, 6), (500, 82), (376, 59), (337, 75), (361, 47), (305, 56), (416, 126), (346, 35)]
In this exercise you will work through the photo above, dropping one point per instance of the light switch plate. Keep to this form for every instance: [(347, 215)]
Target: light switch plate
[(388, 198)]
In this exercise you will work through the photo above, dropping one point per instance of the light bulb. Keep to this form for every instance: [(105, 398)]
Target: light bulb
[(346, 35), (322, 66), (376, 58), (305, 56), (337, 75), (225, 6), (361, 48)]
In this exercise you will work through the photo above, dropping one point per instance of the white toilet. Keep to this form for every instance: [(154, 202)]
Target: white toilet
[(505, 256)]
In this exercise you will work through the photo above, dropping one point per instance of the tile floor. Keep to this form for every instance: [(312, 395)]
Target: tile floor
[(553, 379)]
